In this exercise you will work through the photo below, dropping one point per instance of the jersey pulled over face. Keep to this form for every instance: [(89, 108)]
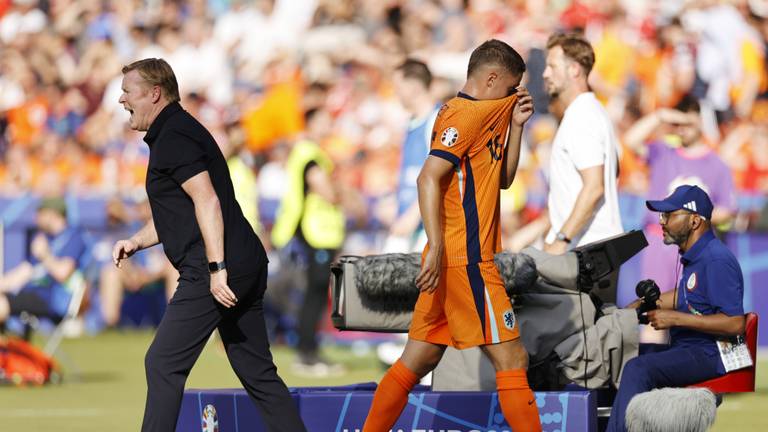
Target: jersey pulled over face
[(471, 134)]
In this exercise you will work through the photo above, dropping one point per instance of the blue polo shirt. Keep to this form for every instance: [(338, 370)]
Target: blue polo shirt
[(711, 283), (69, 243), (414, 152)]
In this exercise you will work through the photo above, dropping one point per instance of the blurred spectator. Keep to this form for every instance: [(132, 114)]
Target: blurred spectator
[(274, 112), (412, 84), (665, 67), (720, 32), (252, 68), (145, 268), (672, 143), (583, 200), (43, 284), (23, 19), (310, 218), (757, 61), (745, 150), (240, 165)]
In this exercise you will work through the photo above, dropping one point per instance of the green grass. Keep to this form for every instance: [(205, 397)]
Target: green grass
[(746, 411), (109, 393)]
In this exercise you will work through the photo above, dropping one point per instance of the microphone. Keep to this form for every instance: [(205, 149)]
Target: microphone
[(650, 293), (387, 282)]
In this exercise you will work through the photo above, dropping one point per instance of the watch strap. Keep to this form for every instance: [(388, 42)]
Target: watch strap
[(213, 267)]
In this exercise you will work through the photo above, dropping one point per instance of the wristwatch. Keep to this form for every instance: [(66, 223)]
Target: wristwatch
[(213, 267), (562, 237)]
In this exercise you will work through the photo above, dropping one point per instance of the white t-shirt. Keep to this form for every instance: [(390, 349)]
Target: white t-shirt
[(585, 139)]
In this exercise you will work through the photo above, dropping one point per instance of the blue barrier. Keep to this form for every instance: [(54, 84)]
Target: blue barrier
[(343, 409), (751, 250)]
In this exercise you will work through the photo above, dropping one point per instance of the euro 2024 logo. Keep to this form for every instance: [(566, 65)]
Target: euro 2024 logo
[(210, 419)]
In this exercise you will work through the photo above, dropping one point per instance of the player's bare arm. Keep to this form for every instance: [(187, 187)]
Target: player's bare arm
[(432, 173)]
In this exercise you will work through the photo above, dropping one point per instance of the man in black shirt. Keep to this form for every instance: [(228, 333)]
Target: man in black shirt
[(222, 264)]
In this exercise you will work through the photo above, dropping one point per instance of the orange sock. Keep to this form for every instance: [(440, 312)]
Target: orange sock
[(390, 398), (518, 404)]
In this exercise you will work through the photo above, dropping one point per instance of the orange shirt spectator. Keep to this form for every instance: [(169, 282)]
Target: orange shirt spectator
[(26, 122), (277, 116)]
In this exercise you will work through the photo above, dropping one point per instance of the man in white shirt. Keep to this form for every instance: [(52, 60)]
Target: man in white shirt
[(583, 202)]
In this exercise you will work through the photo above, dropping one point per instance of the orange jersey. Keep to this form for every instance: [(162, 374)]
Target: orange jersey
[(471, 134)]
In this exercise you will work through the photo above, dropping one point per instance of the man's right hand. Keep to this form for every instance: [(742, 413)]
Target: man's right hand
[(429, 276), (123, 249)]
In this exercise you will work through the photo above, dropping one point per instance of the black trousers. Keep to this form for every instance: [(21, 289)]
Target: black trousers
[(189, 320), (315, 298)]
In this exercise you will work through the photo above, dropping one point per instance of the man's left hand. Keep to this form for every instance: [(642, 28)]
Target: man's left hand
[(220, 289), (523, 108), (556, 248), (661, 319)]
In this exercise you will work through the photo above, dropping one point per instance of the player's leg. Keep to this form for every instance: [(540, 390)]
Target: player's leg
[(427, 339), (418, 359), (517, 401), (505, 349)]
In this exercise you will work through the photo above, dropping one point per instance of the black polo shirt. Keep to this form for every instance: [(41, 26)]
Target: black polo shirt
[(180, 148)]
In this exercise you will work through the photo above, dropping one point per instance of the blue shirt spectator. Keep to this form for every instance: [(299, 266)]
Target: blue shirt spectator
[(43, 285), (67, 244)]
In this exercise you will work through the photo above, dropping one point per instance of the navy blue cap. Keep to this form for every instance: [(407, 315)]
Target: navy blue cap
[(686, 197)]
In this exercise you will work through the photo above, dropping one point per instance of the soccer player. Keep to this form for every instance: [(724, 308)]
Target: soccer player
[(474, 152)]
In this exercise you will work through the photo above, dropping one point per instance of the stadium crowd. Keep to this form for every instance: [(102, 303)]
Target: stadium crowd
[(252, 70)]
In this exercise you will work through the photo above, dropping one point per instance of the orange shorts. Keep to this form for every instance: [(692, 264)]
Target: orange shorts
[(469, 307)]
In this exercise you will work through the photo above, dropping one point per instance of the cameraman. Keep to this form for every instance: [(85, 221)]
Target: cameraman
[(706, 304)]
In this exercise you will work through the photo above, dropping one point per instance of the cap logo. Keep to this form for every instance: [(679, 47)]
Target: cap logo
[(690, 205)]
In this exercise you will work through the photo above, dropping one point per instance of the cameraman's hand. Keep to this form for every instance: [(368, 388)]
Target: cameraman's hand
[(662, 319), (557, 247)]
